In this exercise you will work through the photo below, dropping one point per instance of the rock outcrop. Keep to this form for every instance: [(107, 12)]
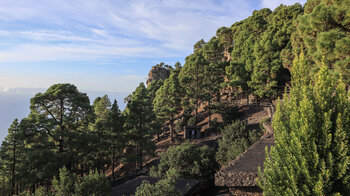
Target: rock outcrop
[(157, 73)]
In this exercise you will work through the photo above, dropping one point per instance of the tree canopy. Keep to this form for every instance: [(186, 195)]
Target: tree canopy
[(311, 154)]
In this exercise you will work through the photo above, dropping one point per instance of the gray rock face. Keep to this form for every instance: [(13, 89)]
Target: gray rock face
[(157, 73)]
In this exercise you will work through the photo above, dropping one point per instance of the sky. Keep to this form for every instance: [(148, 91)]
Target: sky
[(101, 46)]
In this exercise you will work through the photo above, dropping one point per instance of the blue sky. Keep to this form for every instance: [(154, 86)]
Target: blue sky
[(101, 46)]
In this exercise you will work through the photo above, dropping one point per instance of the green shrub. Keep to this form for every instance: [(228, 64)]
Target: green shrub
[(69, 185), (191, 121), (187, 161), (162, 187), (93, 184), (64, 186), (41, 191), (236, 138)]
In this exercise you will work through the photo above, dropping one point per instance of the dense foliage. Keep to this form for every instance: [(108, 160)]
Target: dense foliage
[(252, 57), (325, 33), (311, 154), (162, 187), (138, 122), (69, 184), (236, 138), (62, 130), (167, 102), (187, 161)]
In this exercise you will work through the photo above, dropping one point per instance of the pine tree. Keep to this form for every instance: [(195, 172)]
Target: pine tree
[(100, 127), (192, 77), (245, 33), (138, 122), (311, 125), (64, 186), (152, 89), (60, 113), (268, 71), (325, 34), (117, 135), (214, 72), (10, 155), (167, 103), (40, 161)]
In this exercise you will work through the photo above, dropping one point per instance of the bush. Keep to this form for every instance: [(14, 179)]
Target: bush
[(187, 161), (191, 121), (236, 138), (162, 187), (64, 186), (41, 191), (69, 185), (94, 184)]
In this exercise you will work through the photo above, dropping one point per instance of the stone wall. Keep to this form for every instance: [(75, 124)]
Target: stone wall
[(242, 179)]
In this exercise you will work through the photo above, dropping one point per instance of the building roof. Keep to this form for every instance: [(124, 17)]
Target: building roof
[(129, 187), (243, 170)]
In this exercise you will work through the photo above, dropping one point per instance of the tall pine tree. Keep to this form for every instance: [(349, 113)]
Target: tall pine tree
[(167, 103), (138, 122)]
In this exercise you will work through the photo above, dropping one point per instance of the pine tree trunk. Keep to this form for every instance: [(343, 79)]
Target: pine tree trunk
[(137, 158), (13, 169), (196, 113), (60, 147), (113, 162), (140, 155), (209, 113), (247, 99), (171, 130)]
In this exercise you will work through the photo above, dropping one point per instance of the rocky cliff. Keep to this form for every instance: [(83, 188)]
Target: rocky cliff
[(157, 73)]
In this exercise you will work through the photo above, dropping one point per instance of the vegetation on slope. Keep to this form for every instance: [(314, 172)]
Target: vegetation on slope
[(252, 57)]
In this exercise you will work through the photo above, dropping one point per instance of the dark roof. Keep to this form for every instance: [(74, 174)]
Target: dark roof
[(243, 170), (129, 187)]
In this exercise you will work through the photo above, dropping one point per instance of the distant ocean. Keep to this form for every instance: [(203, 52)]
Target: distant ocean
[(14, 103)]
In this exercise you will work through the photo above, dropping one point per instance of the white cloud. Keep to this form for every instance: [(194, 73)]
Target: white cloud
[(272, 4), (168, 28), (9, 90), (49, 52)]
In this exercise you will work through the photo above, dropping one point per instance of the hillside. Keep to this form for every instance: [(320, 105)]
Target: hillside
[(191, 120)]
